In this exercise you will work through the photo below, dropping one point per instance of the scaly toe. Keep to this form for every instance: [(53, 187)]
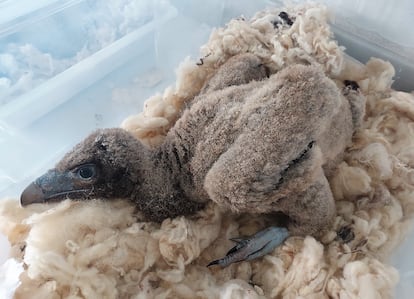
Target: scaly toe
[(253, 247)]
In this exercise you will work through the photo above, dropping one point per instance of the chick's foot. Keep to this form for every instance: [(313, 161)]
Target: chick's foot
[(258, 245)]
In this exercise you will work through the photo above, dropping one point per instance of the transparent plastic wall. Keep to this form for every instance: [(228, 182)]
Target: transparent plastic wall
[(61, 67)]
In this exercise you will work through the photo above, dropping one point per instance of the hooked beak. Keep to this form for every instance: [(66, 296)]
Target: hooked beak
[(32, 194), (53, 186)]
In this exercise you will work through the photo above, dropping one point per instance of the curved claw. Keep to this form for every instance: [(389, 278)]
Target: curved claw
[(253, 247)]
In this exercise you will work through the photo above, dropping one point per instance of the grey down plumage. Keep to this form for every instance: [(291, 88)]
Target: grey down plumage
[(250, 141)]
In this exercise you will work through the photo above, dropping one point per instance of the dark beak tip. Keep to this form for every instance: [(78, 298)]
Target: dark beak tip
[(32, 194)]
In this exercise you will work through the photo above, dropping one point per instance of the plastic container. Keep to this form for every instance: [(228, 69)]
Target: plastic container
[(380, 29), (98, 50), (71, 93)]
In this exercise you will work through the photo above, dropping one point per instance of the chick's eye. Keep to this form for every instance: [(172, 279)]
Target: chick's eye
[(87, 172)]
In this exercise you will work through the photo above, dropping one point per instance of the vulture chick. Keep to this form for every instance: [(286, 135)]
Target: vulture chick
[(249, 142)]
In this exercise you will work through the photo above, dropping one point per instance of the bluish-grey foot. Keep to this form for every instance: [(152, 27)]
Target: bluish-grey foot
[(258, 245)]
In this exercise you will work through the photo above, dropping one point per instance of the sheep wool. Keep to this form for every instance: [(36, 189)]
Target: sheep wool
[(103, 249)]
